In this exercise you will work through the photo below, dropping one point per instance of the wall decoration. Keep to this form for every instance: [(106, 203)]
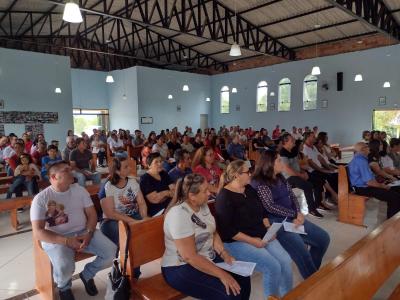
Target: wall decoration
[(237, 107), (272, 107), (178, 108), (24, 117), (382, 101), (146, 120), (1, 103), (2, 131), (324, 103), (35, 129)]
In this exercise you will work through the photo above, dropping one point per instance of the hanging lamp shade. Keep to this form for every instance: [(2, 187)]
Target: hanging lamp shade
[(315, 71), (386, 84), (208, 99), (170, 97), (57, 91), (358, 77), (109, 78), (235, 50), (234, 90), (72, 13), (185, 88)]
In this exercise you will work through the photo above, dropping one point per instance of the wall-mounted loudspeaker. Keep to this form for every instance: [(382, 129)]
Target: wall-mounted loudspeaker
[(339, 81)]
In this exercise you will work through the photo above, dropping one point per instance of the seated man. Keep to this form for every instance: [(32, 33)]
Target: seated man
[(117, 146), (236, 150), (64, 220), (186, 145), (298, 178), (39, 153), (52, 157), (71, 145), (364, 183), (80, 161), (183, 163)]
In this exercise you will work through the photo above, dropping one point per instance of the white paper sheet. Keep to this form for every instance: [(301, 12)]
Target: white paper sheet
[(290, 227), (242, 268), (159, 213), (394, 183), (272, 230)]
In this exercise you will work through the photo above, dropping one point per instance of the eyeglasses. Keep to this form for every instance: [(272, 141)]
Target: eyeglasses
[(246, 172)]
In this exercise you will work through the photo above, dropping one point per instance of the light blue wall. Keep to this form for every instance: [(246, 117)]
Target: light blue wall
[(27, 83), (155, 85), (124, 112), (89, 89), (348, 113)]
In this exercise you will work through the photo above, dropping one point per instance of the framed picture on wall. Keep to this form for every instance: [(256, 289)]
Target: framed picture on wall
[(1, 104), (178, 108), (382, 101), (324, 103), (272, 107), (146, 120), (237, 107)]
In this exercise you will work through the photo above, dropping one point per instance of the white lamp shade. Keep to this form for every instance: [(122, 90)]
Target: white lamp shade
[(208, 99), (72, 13), (235, 50), (272, 94), (315, 71), (234, 90), (170, 97), (358, 77), (185, 88), (109, 79), (386, 84), (57, 91)]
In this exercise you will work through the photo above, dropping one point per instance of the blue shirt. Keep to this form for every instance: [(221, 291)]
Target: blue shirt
[(236, 150), (177, 173), (359, 171), (46, 160)]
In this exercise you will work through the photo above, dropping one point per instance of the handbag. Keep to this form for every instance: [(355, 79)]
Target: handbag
[(119, 287)]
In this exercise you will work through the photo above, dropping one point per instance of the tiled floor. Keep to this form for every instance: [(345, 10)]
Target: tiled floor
[(17, 271)]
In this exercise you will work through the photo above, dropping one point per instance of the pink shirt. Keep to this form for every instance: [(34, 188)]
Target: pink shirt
[(212, 175)]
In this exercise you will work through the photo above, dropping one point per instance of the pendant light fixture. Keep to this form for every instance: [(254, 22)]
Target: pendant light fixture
[(235, 48), (272, 94), (358, 78), (57, 91), (185, 88), (234, 90), (72, 13), (208, 99), (316, 70), (386, 84), (170, 97), (109, 78)]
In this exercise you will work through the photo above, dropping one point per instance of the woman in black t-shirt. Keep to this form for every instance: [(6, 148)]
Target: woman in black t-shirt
[(156, 186)]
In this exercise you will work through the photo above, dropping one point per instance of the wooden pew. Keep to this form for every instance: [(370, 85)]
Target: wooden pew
[(359, 272), (253, 154), (351, 206), (146, 245)]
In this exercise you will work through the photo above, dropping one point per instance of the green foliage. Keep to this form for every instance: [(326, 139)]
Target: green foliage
[(85, 123), (387, 120)]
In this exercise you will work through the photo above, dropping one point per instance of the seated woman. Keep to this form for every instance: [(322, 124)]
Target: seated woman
[(204, 164), (26, 174), (279, 201), (387, 161), (144, 154), (242, 223), (375, 162), (157, 188), (192, 246)]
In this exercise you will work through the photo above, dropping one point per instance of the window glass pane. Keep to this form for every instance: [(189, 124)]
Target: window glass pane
[(224, 100), (388, 121), (310, 92), (262, 97), (284, 95)]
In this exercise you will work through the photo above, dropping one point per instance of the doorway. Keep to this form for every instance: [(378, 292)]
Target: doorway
[(203, 121)]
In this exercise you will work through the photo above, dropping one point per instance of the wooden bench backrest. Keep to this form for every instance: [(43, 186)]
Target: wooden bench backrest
[(343, 188), (146, 241), (359, 272)]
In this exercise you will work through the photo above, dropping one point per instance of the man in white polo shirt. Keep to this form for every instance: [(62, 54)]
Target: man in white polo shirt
[(64, 220)]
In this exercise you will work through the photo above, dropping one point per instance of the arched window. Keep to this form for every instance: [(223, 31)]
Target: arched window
[(262, 96), (225, 100), (284, 95), (310, 92)]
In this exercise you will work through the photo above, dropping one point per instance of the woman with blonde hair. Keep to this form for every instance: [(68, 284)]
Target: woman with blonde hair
[(242, 224), (193, 246)]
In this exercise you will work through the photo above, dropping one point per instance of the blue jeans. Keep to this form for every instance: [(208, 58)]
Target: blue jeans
[(307, 260), (272, 261), (95, 178), (200, 285), (110, 229), (63, 258), (18, 183)]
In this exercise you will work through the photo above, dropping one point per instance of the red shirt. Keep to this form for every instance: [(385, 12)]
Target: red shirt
[(37, 157), (212, 175), (28, 146), (276, 133)]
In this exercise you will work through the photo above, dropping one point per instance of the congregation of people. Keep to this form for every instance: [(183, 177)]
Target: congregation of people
[(180, 175)]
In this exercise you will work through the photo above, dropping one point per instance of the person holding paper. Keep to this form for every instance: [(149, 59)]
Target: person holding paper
[(193, 246), (242, 224), (280, 202)]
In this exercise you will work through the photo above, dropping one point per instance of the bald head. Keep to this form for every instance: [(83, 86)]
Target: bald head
[(361, 148)]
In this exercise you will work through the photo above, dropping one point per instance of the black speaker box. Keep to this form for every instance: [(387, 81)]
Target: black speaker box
[(339, 81)]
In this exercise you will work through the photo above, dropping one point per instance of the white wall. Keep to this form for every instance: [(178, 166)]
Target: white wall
[(27, 83), (348, 113), (154, 86), (89, 89), (124, 112)]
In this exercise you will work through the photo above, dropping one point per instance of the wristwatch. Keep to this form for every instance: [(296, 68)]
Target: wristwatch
[(90, 231)]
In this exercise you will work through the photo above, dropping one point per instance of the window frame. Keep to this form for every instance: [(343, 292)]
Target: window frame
[(261, 85), (308, 79)]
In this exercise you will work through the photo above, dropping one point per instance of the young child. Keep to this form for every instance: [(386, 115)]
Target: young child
[(26, 174), (52, 157)]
